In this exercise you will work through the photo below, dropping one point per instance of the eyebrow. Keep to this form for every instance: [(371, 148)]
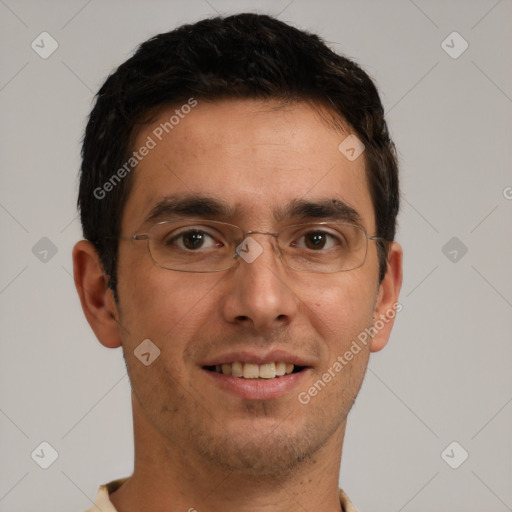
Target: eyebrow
[(198, 206)]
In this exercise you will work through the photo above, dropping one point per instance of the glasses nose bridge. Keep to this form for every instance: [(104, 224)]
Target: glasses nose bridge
[(275, 236)]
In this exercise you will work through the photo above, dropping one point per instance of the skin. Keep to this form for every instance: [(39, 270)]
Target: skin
[(197, 445)]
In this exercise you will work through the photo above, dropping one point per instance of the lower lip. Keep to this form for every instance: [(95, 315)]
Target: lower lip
[(258, 389)]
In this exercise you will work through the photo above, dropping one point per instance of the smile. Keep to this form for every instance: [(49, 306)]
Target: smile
[(265, 371)]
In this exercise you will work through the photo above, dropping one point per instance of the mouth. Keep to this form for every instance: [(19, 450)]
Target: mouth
[(265, 371)]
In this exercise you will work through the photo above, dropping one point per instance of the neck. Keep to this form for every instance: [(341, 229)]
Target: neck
[(167, 477)]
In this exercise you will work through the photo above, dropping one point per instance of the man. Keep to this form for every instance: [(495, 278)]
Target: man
[(238, 197)]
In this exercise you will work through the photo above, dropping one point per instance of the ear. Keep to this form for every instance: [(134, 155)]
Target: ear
[(387, 305), (97, 299)]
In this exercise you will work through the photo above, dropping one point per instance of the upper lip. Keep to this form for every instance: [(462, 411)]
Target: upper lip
[(246, 356)]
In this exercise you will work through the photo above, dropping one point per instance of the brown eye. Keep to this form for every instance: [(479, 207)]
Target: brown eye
[(315, 240), (193, 239), (190, 240)]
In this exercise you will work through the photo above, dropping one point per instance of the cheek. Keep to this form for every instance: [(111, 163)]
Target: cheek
[(340, 308), (343, 309), (159, 304), (166, 308)]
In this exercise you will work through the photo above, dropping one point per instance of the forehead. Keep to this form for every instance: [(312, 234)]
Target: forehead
[(257, 158)]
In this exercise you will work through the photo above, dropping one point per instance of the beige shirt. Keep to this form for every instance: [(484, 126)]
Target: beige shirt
[(103, 503)]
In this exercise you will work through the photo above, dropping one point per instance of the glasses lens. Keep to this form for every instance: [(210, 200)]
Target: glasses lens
[(210, 246), (193, 246), (324, 248)]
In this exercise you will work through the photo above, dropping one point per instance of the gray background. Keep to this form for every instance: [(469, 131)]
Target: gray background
[(445, 375)]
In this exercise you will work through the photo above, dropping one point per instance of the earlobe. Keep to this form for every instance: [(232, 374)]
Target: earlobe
[(96, 297), (387, 305)]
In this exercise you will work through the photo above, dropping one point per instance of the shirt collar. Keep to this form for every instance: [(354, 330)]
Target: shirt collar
[(103, 503)]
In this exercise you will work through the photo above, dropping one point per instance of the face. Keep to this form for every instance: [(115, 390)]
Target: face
[(255, 159)]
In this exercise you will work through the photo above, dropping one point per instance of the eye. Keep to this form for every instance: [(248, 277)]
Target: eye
[(191, 240), (316, 240)]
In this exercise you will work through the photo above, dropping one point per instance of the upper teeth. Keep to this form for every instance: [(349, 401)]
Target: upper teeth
[(255, 371)]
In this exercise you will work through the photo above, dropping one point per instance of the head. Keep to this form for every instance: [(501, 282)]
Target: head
[(244, 115)]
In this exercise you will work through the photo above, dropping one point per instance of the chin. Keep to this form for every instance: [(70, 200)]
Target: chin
[(271, 453)]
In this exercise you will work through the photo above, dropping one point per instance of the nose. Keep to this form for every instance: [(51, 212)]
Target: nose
[(258, 291)]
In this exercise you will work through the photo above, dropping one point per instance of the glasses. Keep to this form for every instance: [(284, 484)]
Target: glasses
[(193, 245)]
